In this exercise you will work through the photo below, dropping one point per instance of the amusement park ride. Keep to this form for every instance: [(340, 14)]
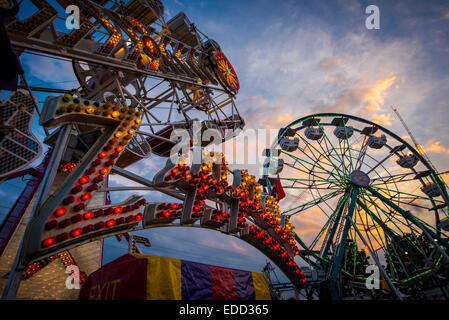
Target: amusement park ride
[(142, 78)]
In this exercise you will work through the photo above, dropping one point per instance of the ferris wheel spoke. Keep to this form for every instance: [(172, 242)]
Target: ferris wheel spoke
[(398, 193), (341, 165), (382, 246), (313, 202), (346, 149), (327, 205), (308, 172), (333, 148), (309, 180), (385, 182), (320, 234), (374, 256), (302, 160), (428, 225), (337, 261), (327, 154), (421, 249), (368, 235), (312, 152), (392, 218), (381, 161), (432, 236), (377, 221), (335, 223), (302, 185), (348, 146), (362, 153)]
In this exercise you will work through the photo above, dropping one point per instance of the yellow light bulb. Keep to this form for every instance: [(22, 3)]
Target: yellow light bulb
[(90, 109)]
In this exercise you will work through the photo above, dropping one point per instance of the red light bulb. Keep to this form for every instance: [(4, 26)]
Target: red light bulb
[(76, 232), (103, 154), (84, 180), (48, 242), (88, 215), (86, 196), (110, 223), (60, 212)]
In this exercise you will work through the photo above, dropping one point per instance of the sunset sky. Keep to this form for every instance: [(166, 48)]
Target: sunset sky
[(295, 58)]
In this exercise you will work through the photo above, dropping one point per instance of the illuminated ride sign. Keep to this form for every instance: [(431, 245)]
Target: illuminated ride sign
[(66, 220), (153, 52)]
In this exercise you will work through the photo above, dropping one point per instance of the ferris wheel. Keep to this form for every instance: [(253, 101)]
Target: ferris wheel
[(351, 186)]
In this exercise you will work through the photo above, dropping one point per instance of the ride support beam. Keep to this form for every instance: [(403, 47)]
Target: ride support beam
[(336, 223), (432, 236), (336, 264), (19, 264), (387, 230), (398, 294)]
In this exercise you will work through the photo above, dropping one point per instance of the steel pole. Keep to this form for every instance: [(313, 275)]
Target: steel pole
[(335, 225), (339, 258)]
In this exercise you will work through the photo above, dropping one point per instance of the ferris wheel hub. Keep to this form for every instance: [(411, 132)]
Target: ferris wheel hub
[(360, 178)]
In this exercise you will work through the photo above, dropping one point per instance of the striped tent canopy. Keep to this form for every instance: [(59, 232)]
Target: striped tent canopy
[(137, 276)]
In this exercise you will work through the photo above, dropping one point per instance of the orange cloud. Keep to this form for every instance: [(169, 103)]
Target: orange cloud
[(383, 119), (370, 97), (374, 96), (284, 119), (435, 146)]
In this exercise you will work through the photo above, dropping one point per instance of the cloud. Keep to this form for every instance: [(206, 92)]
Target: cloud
[(308, 70), (435, 146), (285, 118), (383, 119), (331, 63), (374, 96), (46, 69)]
